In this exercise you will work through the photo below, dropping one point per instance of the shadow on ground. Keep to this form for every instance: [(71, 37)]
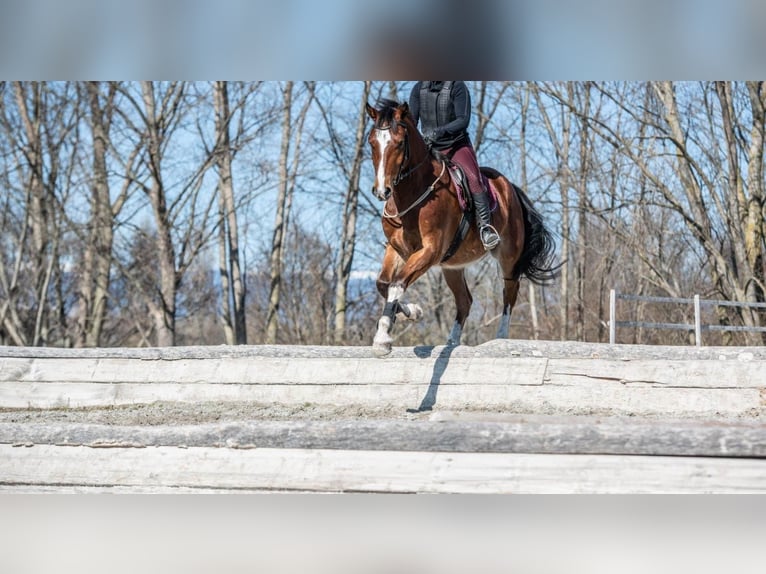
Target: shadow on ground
[(440, 366)]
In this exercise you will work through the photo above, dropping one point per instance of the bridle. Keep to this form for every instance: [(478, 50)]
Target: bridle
[(401, 175), (419, 200)]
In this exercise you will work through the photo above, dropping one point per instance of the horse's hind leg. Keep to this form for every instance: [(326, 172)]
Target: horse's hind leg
[(455, 279), (510, 293)]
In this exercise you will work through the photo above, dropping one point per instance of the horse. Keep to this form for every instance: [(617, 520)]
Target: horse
[(425, 226)]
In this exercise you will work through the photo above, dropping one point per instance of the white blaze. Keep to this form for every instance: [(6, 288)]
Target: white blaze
[(383, 137)]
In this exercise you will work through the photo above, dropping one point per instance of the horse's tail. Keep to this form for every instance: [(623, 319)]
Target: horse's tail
[(536, 261)]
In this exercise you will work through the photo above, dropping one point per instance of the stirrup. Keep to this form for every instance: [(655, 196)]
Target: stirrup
[(489, 237)]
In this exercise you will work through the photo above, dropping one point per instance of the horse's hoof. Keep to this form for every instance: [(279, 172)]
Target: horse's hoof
[(381, 350), (413, 312), (382, 343)]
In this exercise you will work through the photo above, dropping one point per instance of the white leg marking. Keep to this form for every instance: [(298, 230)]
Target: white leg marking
[(381, 344), (504, 327), (384, 325), (415, 311), (455, 334), (395, 292)]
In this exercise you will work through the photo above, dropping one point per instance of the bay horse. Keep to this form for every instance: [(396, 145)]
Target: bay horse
[(422, 223)]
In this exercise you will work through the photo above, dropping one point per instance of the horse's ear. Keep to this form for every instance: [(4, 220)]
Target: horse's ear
[(404, 109), (372, 112)]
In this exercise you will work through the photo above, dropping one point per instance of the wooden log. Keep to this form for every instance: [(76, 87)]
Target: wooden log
[(714, 374), (498, 375), (319, 470), (276, 370), (446, 432), (494, 348)]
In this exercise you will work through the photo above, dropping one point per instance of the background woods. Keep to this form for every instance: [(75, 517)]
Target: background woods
[(169, 213)]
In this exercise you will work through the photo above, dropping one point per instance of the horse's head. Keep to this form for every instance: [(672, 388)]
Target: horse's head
[(390, 143)]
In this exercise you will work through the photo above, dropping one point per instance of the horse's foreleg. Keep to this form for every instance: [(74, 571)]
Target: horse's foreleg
[(381, 343), (394, 309), (510, 293), (392, 264), (418, 263), (455, 279)]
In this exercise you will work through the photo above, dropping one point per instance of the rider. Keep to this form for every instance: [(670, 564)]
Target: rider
[(444, 111)]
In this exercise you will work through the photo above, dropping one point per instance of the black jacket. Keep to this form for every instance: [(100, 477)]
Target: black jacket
[(453, 130)]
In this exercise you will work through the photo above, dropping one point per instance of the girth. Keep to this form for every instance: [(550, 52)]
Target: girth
[(462, 231)]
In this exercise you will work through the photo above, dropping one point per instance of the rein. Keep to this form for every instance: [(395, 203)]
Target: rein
[(400, 176), (420, 199)]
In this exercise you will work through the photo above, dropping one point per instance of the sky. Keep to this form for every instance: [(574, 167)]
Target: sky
[(347, 39)]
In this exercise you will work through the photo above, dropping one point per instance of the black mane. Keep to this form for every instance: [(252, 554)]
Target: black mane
[(386, 108)]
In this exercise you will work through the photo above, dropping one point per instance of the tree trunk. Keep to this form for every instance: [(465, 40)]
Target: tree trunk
[(582, 216), (280, 222), (223, 269), (348, 233), (532, 295), (232, 283), (563, 176), (755, 225), (39, 204), (97, 259), (163, 310)]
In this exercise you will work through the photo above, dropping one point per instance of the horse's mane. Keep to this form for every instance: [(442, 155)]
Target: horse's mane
[(386, 108)]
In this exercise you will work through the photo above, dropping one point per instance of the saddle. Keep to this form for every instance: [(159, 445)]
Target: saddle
[(464, 196)]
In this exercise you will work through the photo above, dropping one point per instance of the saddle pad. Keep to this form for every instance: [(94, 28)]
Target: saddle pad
[(463, 195)]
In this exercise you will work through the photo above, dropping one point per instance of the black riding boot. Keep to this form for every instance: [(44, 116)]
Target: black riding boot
[(488, 234)]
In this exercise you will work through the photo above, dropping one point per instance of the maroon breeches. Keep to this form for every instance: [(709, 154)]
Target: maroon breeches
[(465, 156)]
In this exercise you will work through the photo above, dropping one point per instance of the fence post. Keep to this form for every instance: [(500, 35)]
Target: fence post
[(697, 322), (612, 309)]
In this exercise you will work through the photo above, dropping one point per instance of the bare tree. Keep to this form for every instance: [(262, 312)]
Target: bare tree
[(288, 168), (232, 280), (348, 224), (181, 218), (746, 192), (560, 142), (486, 104), (38, 121), (284, 200), (531, 293), (97, 255), (691, 184), (731, 265), (582, 211)]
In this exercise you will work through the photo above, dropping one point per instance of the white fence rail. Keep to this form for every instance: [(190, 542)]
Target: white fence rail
[(698, 327)]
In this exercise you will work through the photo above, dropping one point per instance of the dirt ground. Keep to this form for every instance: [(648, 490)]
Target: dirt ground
[(167, 413), (175, 413)]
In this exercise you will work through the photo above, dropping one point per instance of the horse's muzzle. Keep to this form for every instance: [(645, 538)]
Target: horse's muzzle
[(381, 195)]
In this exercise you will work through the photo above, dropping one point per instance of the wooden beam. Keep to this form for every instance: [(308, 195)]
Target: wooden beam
[(319, 470), (462, 432)]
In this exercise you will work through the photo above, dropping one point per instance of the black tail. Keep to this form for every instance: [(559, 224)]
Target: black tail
[(536, 261)]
